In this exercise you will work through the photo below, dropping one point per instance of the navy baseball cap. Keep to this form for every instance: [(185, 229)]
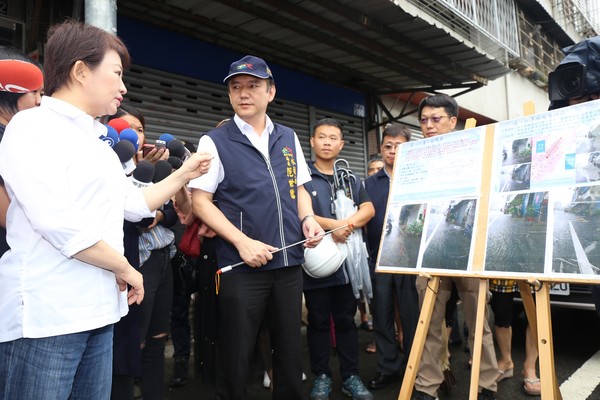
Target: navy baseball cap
[(250, 65)]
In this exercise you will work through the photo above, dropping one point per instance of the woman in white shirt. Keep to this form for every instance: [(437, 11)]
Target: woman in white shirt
[(64, 282)]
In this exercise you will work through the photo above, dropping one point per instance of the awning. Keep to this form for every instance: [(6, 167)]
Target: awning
[(372, 46)]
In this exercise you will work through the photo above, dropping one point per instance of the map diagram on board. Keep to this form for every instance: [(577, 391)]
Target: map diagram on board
[(530, 207)]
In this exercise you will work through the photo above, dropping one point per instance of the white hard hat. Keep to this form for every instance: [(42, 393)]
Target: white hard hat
[(325, 259)]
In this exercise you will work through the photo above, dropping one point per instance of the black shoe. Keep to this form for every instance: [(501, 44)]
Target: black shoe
[(486, 395), (382, 380), (180, 373), (421, 396)]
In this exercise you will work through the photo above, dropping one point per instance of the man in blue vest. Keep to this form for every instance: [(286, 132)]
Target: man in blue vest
[(256, 203), (330, 295)]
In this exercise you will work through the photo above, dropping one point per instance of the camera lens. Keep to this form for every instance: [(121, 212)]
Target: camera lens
[(568, 81)]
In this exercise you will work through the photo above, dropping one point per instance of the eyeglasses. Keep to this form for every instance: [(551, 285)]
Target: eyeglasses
[(435, 119), (390, 146)]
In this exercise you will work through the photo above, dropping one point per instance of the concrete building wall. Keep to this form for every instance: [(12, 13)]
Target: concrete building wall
[(504, 97)]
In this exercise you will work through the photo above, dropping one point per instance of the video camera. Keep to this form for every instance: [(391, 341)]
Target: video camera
[(567, 81), (578, 74)]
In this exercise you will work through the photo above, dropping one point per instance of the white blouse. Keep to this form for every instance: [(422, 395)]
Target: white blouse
[(68, 191)]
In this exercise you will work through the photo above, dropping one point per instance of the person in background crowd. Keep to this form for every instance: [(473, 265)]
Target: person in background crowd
[(257, 180), (64, 283), (391, 365), (331, 297), (21, 87), (157, 248), (183, 290), (374, 166), (438, 115), (137, 122), (503, 293)]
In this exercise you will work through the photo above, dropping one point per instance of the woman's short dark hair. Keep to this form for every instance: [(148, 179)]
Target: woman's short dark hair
[(9, 101), (73, 41), (440, 101)]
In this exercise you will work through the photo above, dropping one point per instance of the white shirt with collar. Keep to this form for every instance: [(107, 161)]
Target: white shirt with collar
[(68, 191), (215, 175)]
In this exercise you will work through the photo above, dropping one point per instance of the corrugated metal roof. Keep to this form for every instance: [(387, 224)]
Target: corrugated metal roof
[(373, 46)]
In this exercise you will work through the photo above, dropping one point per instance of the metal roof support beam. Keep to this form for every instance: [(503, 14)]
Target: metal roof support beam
[(380, 106)]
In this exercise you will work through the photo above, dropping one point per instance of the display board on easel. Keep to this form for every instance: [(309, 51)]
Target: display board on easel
[(517, 199)]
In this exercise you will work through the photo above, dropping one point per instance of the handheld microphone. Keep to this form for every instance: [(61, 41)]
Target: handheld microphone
[(176, 148), (112, 137), (125, 150), (143, 174), (130, 135), (162, 169), (119, 124), (167, 137), (17, 76), (175, 162)]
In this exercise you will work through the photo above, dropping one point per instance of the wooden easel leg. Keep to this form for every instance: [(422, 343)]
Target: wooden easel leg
[(550, 389), (478, 343), (419, 341), (529, 306)]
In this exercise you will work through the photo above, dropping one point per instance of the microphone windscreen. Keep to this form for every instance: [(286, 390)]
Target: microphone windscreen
[(167, 137), (130, 135), (18, 76), (119, 124), (112, 137), (162, 169), (176, 148), (124, 149), (143, 174), (175, 162)]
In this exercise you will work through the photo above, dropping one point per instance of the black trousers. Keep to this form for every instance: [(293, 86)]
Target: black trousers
[(339, 303), (389, 359), (180, 325), (243, 299)]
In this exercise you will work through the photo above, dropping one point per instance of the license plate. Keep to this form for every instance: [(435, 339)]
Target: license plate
[(560, 289)]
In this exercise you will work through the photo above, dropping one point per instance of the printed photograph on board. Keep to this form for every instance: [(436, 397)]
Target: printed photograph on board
[(517, 226), (449, 235), (575, 240), (402, 235)]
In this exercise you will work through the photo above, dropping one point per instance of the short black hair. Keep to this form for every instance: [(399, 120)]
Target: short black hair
[(395, 130), (328, 122), (190, 146), (438, 101)]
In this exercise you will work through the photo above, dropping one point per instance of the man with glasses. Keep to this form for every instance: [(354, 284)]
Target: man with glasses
[(438, 116), (390, 363)]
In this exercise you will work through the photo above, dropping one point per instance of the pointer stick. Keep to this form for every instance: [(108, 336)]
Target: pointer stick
[(230, 267)]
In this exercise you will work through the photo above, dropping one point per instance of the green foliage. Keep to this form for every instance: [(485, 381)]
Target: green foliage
[(415, 227)]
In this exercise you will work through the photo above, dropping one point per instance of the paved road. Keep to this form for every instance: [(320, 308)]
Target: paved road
[(576, 337)]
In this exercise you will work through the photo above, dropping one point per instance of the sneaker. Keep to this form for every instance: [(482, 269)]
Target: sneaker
[(321, 388), (486, 395), (422, 396), (354, 387)]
